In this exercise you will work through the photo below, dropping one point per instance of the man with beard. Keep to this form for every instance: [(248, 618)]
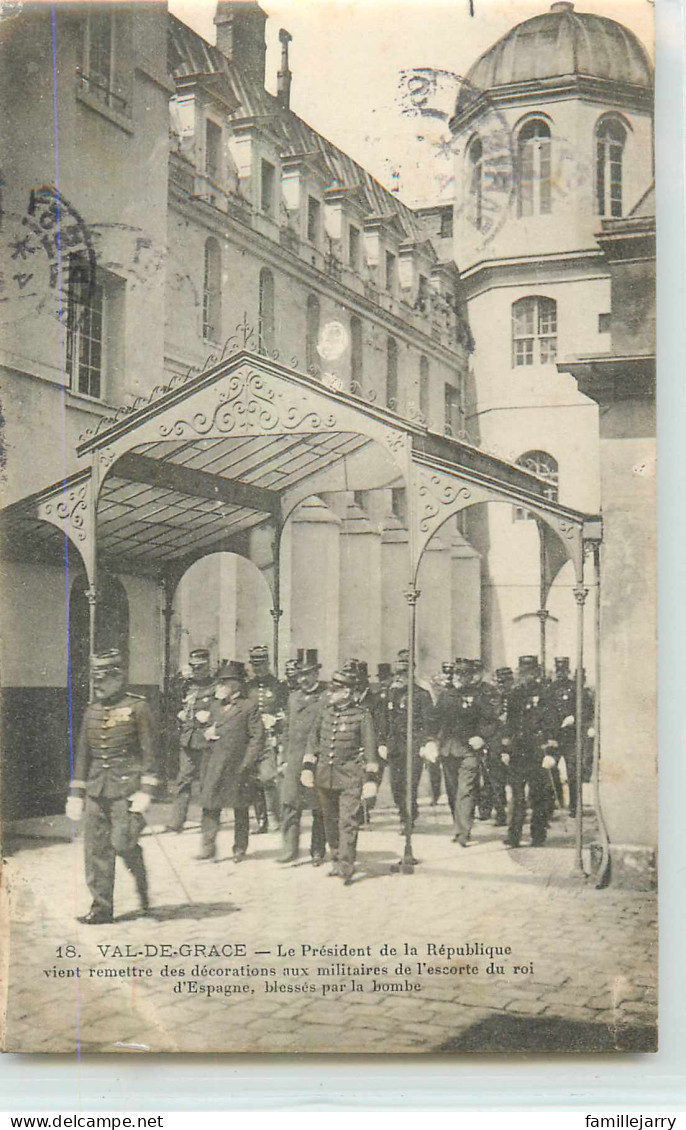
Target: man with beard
[(193, 717), (271, 697), (304, 708), (116, 774), (233, 742), (396, 737), (529, 750)]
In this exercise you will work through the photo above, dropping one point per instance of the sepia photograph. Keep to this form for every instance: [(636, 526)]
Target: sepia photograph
[(328, 579)]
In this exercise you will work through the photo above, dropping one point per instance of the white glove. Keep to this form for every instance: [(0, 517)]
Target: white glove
[(211, 734), (548, 762), (476, 742), (74, 808), (505, 758), (591, 731), (140, 802), (269, 721), (383, 752), (203, 716), (429, 752), (502, 717), (550, 745), (369, 790), (506, 742), (181, 715), (307, 779), (281, 768), (569, 721)]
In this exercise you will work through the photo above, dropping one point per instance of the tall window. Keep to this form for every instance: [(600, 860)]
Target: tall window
[(267, 181), (392, 374), (390, 272), (99, 59), (212, 292), (476, 182), (213, 150), (266, 314), (534, 331), (354, 247), (422, 293), (535, 196), (312, 335), (313, 214), (610, 142), (452, 410), (85, 329), (424, 387), (543, 465), (356, 356), (446, 228)]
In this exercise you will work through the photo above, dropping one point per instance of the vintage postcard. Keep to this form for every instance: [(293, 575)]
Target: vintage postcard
[(328, 579)]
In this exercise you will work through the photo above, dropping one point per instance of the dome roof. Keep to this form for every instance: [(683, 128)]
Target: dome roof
[(558, 43)]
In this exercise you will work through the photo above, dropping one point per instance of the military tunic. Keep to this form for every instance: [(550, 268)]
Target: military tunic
[(563, 692), (304, 708), (193, 719), (227, 770), (271, 697), (531, 724), (396, 740), (116, 757), (341, 749), (463, 713)]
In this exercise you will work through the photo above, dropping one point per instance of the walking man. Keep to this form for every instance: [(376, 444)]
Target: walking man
[(396, 736), (529, 750), (234, 739), (116, 775), (193, 719), (340, 762), (271, 696), (304, 707)]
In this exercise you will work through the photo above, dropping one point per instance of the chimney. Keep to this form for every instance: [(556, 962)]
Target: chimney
[(284, 76), (240, 36)]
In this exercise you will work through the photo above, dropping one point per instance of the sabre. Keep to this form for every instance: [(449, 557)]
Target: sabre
[(172, 868), (556, 803)]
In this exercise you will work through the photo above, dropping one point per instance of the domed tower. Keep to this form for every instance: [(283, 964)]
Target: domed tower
[(552, 134)]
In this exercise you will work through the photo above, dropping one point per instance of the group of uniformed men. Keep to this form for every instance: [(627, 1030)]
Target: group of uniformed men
[(285, 748)]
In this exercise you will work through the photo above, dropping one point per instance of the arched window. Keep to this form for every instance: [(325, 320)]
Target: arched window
[(543, 465), (392, 374), (610, 142), (356, 356), (212, 292), (312, 335), (534, 331), (424, 404), (266, 314), (476, 183), (533, 150)]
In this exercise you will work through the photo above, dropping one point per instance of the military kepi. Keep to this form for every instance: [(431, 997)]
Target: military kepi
[(106, 663), (231, 669), (199, 656), (528, 663)]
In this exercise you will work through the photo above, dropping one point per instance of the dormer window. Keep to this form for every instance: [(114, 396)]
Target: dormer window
[(534, 168), (213, 150), (610, 142), (313, 219), (267, 183)]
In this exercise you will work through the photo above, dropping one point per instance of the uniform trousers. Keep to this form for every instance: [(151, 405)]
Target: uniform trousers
[(189, 771), (397, 767), (492, 786), (290, 829), (209, 828), (111, 829), (461, 776), (569, 754), (339, 810), (528, 771)]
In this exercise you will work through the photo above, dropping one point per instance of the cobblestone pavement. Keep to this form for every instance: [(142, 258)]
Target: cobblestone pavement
[(593, 953)]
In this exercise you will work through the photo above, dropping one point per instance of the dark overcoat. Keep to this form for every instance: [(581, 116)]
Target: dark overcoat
[(227, 772), (303, 711)]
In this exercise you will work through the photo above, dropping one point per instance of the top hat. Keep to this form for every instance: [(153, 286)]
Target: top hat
[(562, 663), (528, 663), (384, 671), (231, 669), (448, 668), (304, 668), (475, 664), (461, 663), (403, 661), (107, 662), (198, 657), (344, 678), (291, 666), (504, 673), (259, 653)]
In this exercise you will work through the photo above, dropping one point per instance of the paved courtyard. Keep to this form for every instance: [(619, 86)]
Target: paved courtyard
[(585, 959)]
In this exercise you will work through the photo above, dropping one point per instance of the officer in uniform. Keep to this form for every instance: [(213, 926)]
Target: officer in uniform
[(304, 708), (116, 773), (444, 678), (292, 672), (396, 737), (270, 695), (340, 762), (491, 797), (234, 739), (465, 719), (563, 690), (529, 749), (193, 717)]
